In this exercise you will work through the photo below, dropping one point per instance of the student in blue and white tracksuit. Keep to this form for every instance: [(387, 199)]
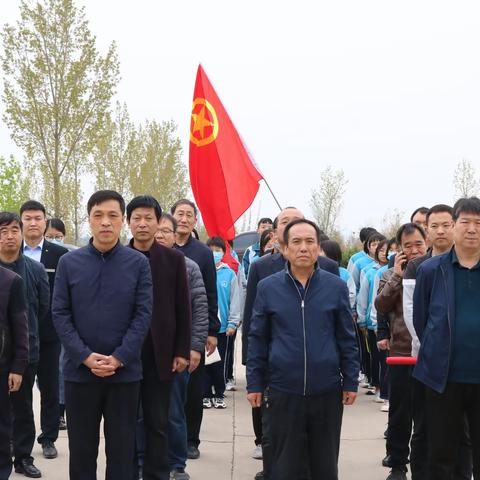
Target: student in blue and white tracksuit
[(228, 295)]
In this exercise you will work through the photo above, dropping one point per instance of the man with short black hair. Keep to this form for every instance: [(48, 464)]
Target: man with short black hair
[(445, 316), (307, 309), (13, 354), (102, 308), (48, 253), (253, 251), (37, 294), (419, 217)]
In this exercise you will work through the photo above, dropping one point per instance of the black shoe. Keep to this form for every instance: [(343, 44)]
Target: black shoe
[(386, 462), (398, 474), (62, 424), (49, 450), (193, 452), (259, 476), (27, 468)]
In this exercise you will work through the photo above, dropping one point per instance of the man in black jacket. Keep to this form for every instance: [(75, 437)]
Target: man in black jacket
[(13, 353), (263, 268), (185, 213), (38, 300), (34, 221)]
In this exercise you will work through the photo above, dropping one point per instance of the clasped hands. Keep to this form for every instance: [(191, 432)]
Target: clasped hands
[(102, 365)]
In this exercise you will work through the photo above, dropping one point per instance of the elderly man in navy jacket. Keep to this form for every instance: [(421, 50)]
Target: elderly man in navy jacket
[(102, 307), (302, 325)]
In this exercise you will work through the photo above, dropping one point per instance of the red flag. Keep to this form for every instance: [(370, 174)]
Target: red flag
[(223, 176)]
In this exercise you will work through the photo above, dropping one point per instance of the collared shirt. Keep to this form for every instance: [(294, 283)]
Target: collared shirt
[(464, 364), (34, 253)]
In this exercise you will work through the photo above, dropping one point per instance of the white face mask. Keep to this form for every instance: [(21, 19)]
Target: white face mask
[(57, 241)]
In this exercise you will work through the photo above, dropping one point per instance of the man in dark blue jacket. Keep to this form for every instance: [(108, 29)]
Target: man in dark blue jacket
[(102, 307), (302, 325), (446, 308)]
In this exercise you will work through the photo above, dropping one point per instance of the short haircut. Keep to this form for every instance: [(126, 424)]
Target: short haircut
[(422, 210), (184, 201), (171, 219), (332, 250), (264, 220), (365, 232), (57, 224), (264, 238), (144, 201), (466, 205), (217, 242), (440, 208), (32, 205), (103, 196), (275, 220), (299, 221), (373, 237), (323, 236), (381, 244), (408, 229), (6, 218)]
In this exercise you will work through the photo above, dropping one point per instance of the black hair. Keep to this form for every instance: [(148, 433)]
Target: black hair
[(365, 232), (144, 201), (264, 238), (57, 224), (408, 229), (217, 242), (171, 219), (373, 237), (392, 241), (380, 245), (275, 221), (264, 220), (440, 208), (422, 210), (103, 196), (184, 201), (298, 221), (32, 205), (332, 250), (195, 234), (6, 218), (466, 205)]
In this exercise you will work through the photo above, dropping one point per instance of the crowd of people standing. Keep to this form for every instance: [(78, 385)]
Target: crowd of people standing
[(141, 335)]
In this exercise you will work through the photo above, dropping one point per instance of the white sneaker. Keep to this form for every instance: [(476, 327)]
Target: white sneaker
[(230, 386), (385, 407), (378, 399), (258, 453), (207, 403), (219, 403)]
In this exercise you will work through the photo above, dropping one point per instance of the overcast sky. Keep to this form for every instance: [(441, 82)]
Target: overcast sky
[(387, 91)]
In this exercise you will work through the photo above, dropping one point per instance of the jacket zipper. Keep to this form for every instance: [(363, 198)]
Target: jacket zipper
[(448, 320), (302, 306)]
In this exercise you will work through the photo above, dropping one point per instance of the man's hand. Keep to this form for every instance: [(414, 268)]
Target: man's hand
[(255, 399), (93, 359), (14, 382), (179, 364), (349, 398), (195, 358), (384, 344), (102, 365), (211, 345), (230, 332), (400, 261)]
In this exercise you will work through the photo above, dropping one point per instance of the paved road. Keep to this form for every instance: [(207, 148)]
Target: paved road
[(227, 443)]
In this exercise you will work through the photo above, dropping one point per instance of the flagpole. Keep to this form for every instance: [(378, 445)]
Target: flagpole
[(273, 195)]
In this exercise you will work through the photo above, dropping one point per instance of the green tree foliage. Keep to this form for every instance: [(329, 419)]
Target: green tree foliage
[(14, 186), (57, 93)]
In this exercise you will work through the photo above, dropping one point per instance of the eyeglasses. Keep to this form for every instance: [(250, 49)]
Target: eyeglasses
[(165, 231), (56, 237)]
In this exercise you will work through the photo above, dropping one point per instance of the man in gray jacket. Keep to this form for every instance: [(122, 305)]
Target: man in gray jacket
[(177, 433)]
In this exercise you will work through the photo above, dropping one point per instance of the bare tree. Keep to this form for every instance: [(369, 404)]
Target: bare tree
[(326, 201), (392, 221), (465, 179)]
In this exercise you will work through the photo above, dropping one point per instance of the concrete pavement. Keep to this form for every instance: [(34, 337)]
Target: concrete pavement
[(228, 442)]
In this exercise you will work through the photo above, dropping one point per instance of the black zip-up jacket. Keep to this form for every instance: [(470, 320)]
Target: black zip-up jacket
[(13, 323)]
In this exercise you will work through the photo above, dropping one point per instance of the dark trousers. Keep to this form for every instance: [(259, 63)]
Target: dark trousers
[(86, 404), (365, 353), (177, 422), (23, 420), (257, 424), (194, 405), (5, 428), (374, 358), (155, 396), (291, 418), (47, 375), (446, 413), (231, 357), (216, 373), (384, 380)]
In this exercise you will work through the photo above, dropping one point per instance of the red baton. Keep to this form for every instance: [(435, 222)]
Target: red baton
[(401, 360)]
